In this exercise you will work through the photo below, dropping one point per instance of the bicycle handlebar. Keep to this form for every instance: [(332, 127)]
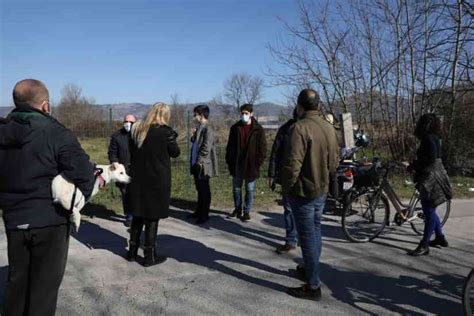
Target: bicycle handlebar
[(392, 165)]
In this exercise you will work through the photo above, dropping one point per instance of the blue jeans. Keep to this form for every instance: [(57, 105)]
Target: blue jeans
[(432, 222), (308, 213), (290, 225), (237, 183)]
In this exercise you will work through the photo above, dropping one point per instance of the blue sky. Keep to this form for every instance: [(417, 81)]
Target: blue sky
[(137, 50)]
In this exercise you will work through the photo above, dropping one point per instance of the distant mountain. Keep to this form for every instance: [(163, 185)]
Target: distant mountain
[(119, 110), (139, 109)]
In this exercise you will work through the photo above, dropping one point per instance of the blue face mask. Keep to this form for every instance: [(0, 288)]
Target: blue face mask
[(245, 118)]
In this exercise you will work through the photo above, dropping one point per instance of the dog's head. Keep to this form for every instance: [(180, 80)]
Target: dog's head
[(117, 173)]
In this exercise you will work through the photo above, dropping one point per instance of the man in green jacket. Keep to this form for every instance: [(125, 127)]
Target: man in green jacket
[(310, 157)]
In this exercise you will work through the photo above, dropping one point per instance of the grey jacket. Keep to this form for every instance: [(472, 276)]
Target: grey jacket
[(207, 156), (434, 184)]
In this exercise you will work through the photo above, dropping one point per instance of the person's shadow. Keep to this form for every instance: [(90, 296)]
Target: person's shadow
[(191, 206), (361, 289), (328, 231), (3, 284), (191, 251), (232, 226), (93, 236), (92, 210), (183, 250)]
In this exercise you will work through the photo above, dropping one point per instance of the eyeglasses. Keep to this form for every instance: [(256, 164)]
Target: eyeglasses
[(128, 122)]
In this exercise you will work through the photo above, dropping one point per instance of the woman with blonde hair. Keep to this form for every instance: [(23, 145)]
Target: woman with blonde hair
[(153, 143)]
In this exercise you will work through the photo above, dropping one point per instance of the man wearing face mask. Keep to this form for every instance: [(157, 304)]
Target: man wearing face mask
[(245, 152), (119, 152), (35, 148), (203, 162)]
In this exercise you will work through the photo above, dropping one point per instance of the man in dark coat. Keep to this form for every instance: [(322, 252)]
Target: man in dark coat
[(245, 152), (119, 152), (203, 162), (34, 148), (274, 167)]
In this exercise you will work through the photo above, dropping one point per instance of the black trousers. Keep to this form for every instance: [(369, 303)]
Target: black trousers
[(151, 229), (204, 196), (37, 260)]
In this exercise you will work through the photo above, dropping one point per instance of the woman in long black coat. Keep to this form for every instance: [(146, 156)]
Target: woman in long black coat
[(153, 144)]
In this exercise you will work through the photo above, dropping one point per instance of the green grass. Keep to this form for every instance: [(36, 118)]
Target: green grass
[(221, 187), (182, 182)]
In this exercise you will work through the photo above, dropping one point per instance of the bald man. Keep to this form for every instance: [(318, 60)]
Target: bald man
[(34, 148), (119, 151)]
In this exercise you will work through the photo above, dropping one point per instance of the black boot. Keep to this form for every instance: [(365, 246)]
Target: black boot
[(151, 258), (421, 250), (439, 241), (134, 243), (151, 228), (132, 251)]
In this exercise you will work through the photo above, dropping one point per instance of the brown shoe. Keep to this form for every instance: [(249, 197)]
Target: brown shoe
[(284, 248)]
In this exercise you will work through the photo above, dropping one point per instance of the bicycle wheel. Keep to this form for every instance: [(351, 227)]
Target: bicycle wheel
[(364, 216), (418, 224), (468, 294)]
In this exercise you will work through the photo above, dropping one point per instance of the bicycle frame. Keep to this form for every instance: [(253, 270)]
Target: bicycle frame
[(400, 207)]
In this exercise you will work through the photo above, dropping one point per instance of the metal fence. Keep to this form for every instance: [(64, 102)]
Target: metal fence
[(94, 130)]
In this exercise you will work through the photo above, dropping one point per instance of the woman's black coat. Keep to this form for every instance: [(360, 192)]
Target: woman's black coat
[(150, 189)]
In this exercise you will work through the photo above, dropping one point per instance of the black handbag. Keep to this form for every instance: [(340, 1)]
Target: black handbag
[(196, 169)]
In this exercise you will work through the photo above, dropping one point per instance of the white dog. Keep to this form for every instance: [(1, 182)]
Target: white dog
[(63, 189)]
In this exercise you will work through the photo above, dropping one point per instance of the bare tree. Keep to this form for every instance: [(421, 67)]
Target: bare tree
[(174, 99), (79, 113), (243, 88), (179, 119), (386, 61)]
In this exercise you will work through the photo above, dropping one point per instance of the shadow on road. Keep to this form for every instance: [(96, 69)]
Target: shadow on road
[(329, 231), (191, 251), (232, 226), (95, 237), (404, 295), (96, 210), (191, 206)]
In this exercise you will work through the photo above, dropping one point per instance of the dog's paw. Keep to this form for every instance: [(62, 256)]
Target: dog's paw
[(76, 221)]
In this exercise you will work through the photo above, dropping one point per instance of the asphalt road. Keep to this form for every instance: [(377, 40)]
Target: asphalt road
[(230, 268)]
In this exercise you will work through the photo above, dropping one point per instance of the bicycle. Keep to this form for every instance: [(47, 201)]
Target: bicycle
[(367, 211), (468, 294)]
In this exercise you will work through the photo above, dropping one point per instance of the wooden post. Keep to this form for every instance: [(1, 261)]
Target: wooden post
[(347, 130)]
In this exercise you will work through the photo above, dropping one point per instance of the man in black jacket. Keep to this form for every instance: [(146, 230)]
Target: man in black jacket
[(274, 168), (245, 152), (34, 148), (119, 152)]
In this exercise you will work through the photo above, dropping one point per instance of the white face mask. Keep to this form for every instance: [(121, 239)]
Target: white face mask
[(245, 118), (127, 126)]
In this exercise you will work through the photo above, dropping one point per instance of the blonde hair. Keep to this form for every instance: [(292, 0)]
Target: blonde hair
[(158, 114)]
